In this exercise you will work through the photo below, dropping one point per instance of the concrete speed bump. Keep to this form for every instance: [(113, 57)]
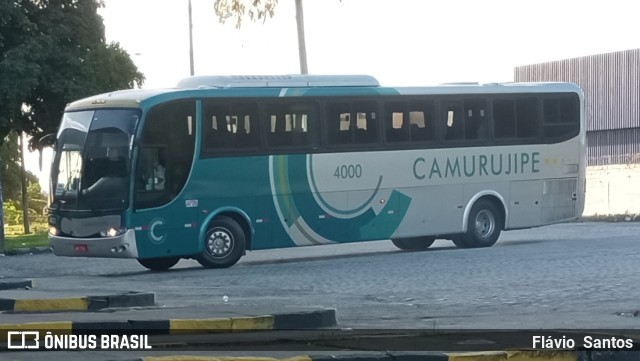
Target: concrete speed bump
[(88, 303)]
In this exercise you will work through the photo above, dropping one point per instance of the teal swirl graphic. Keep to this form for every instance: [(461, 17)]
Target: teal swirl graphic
[(307, 222)]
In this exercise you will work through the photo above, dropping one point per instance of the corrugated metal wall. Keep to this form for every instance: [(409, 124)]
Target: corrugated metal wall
[(617, 146), (611, 84)]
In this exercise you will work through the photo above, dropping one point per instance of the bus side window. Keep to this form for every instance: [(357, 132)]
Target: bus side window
[(475, 122), (338, 124), (561, 116), (291, 124), (504, 118), (527, 117), (397, 127), (166, 152), (280, 131), (421, 119), (216, 133), (453, 121), (230, 126), (366, 124)]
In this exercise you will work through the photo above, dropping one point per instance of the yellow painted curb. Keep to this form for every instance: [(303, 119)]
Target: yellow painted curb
[(54, 304), (56, 328), (513, 356), (541, 355), (252, 323), (210, 325)]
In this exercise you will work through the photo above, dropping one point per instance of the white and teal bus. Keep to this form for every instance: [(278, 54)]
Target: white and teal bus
[(224, 164)]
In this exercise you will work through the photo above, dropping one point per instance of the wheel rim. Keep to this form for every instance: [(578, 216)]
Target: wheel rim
[(485, 224), (219, 242)]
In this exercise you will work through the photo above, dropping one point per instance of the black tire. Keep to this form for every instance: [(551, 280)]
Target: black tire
[(159, 264), (413, 243), (458, 240), (224, 244), (483, 226)]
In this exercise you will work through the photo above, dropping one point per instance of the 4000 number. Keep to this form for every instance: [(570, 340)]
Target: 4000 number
[(348, 171)]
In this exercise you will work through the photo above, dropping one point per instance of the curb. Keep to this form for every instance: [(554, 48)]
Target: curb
[(88, 303), (27, 251), (425, 356), (275, 322), (12, 285)]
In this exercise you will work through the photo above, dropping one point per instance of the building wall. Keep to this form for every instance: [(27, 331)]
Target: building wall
[(611, 84), (615, 146), (613, 190)]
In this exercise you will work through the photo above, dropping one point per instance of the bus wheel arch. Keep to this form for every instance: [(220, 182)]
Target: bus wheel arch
[(224, 242), (244, 223), (485, 218)]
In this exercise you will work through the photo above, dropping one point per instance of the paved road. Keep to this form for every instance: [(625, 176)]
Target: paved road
[(578, 275)]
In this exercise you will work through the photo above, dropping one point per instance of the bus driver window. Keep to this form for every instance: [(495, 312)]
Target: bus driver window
[(152, 170)]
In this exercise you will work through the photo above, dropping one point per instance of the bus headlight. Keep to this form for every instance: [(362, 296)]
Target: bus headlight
[(113, 232), (53, 231)]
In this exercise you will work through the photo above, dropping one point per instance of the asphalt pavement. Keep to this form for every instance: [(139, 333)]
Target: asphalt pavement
[(213, 328)]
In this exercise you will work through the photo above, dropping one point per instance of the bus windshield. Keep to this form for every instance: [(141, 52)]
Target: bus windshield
[(92, 159)]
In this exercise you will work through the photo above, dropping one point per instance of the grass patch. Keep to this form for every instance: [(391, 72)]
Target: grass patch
[(13, 242)]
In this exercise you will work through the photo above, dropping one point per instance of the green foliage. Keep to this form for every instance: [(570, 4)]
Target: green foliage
[(37, 203), (238, 9), (53, 52), (37, 239), (12, 215), (10, 170), (12, 189)]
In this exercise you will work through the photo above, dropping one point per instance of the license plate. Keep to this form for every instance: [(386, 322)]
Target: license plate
[(81, 248)]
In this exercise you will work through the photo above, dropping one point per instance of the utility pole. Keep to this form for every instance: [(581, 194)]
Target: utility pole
[(302, 48), (23, 183), (190, 39)]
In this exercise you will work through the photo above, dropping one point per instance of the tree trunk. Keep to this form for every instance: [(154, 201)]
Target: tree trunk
[(1, 218), (23, 182)]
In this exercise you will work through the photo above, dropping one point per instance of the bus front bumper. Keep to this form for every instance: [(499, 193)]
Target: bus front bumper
[(122, 246)]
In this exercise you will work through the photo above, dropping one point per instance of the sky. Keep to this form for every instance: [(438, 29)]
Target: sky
[(399, 42)]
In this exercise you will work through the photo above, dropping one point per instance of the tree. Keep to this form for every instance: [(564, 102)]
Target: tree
[(54, 52), (238, 9), (10, 170)]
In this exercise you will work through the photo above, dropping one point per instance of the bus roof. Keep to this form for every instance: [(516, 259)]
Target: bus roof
[(315, 85), (278, 81)]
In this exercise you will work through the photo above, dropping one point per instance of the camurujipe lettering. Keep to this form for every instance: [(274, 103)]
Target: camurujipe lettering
[(476, 165)]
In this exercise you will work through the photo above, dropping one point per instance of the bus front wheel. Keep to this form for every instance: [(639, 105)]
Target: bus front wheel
[(224, 244), (414, 243), (159, 264), (484, 225)]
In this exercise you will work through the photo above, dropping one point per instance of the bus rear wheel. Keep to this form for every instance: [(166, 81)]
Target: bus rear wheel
[(483, 226), (414, 243), (224, 244), (159, 264)]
